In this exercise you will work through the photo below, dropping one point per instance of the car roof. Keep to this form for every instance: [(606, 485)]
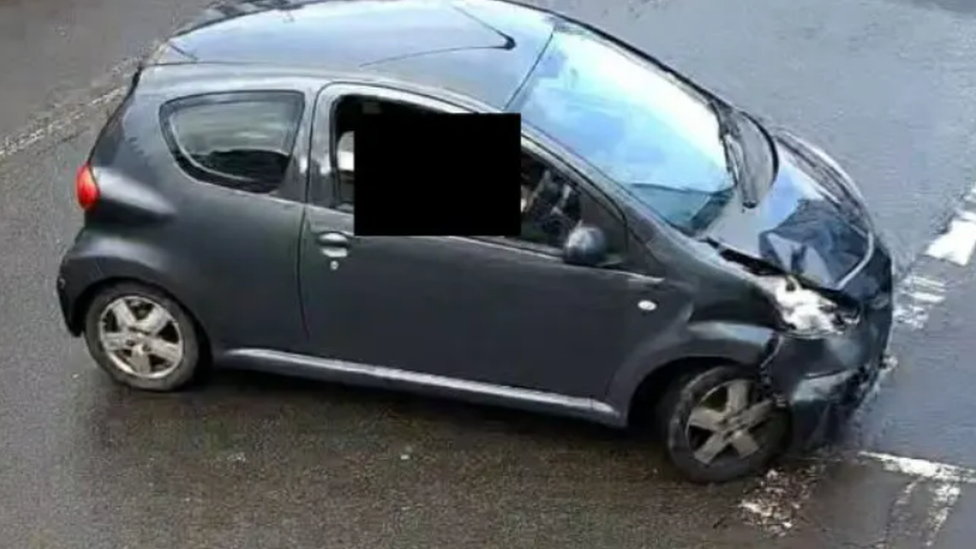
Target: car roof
[(483, 49)]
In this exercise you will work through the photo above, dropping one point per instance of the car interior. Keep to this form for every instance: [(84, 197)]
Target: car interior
[(349, 114), (551, 205)]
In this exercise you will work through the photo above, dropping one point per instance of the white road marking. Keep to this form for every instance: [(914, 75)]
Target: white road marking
[(64, 122), (927, 284), (906, 494), (926, 297), (923, 469), (958, 242), (948, 481), (776, 505), (944, 499), (64, 114), (915, 298), (899, 517), (899, 527)]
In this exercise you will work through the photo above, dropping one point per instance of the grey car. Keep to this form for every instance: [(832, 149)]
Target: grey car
[(679, 261)]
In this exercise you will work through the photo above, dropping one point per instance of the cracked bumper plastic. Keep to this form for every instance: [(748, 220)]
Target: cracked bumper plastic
[(824, 381)]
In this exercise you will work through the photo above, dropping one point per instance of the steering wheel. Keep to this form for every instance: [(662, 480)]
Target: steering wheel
[(553, 207)]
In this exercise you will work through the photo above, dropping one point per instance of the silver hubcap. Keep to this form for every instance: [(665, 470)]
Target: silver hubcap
[(141, 337), (728, 419)]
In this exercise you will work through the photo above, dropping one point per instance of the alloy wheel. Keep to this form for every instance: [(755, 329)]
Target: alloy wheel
[(729, 422), (141, 337)]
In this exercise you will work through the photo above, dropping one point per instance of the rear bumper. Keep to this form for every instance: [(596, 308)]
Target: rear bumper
[(822, 382), (76, 276), (66, 304)]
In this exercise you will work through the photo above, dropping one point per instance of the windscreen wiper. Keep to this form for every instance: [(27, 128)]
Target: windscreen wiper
[(728, 134)]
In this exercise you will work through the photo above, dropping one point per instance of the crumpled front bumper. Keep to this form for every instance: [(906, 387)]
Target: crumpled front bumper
[(823, 381)]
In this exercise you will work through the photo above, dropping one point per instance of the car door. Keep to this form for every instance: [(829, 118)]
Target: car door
[(501, 311)]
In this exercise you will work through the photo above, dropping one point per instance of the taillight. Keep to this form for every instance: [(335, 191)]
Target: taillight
[(86, 190)]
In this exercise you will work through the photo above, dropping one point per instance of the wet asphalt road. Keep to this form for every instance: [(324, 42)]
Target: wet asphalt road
[(247, 460)]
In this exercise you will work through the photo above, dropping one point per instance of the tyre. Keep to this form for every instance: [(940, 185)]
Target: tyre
[(718, 425), (142, 338)]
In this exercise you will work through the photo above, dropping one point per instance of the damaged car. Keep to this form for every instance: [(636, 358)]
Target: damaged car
[(679, 260)]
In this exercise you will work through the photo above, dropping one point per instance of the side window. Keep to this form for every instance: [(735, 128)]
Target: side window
[(238, 140), (553, 205), (346, 117)]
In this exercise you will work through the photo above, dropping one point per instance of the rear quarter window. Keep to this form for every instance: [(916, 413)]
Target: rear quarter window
[(240, 140)]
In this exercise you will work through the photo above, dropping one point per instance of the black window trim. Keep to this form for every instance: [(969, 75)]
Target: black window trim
[(332, 94), (184, 159)]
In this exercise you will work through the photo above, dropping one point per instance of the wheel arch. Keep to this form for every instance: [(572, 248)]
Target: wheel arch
[(658, 363), (89, 293), (655, 384)]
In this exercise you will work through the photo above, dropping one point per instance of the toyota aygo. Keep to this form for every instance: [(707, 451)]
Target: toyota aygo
[(679, 259)]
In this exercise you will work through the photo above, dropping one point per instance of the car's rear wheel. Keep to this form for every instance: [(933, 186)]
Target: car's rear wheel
[(142, 338), (719, 425)]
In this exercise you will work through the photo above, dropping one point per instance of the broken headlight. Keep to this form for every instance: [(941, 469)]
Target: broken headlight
[(805, 312)]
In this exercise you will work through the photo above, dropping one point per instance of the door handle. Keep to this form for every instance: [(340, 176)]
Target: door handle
[(335, 245), (334, 240)]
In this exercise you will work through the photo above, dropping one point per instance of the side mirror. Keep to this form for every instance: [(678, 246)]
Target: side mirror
[(586, 246)]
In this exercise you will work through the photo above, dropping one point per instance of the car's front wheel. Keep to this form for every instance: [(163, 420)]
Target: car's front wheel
[(142, 338), (719, 425)]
